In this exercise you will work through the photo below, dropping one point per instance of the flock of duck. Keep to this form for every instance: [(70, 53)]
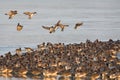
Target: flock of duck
[(12, 13), (95, 60), (84, 61), (51, 29)]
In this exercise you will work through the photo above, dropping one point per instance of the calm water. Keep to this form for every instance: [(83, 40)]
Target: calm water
[(101, 21)]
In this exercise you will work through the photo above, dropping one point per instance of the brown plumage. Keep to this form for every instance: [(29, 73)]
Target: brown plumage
[(78, 25), (28, 49), (51, 29), (11, 14), (30, 14), (19, 27), (58, 24), (18, 51)]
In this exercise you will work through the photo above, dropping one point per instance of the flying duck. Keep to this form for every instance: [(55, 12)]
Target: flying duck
[(11, 13), (30, 14)]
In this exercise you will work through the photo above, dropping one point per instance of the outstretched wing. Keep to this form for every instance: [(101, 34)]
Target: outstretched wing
[(57, 24), (26, 13), (75, 26), (66, 25), (46, 27), (78, 25)]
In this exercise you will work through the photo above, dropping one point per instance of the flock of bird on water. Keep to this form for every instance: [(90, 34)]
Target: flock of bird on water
[(51, 29), (85, 61)]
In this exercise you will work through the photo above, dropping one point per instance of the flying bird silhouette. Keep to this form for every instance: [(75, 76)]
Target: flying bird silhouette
[(51, 29), (78, 25), (19, 27), (30, 14), (11, 13), (62, 26)]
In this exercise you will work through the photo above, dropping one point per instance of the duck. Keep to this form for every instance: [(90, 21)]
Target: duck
[(8, 55), (21, 71), (52, 72), (104, 75), (41, 47), (118, 76), (80, 74), (28, 49), (19, 27), (58, 24), (78, 25), (6, 70), (30, 14), (112, 76), (66, 74), (95, 76), (11, 13), (18, 51), (51, 29), (36, 71)]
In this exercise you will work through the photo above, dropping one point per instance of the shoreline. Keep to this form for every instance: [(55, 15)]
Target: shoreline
[(86, 60)]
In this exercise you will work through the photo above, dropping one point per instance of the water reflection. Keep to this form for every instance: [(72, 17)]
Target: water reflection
[(7, 77)]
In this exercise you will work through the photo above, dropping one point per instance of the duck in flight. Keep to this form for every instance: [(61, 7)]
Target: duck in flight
[(51, 29), (19, 27), (30, 14), (58, 24), (78, 25), (11, 13)]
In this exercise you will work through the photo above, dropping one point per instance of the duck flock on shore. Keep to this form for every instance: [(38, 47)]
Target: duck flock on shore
[(95, 60), (51, 29)]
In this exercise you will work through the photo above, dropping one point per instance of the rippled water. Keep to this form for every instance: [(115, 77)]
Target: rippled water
[(101, 20)]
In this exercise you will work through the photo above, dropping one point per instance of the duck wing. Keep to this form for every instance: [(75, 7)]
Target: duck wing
[(26, 13), (45, 27), (57, 24), (78, 25)]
